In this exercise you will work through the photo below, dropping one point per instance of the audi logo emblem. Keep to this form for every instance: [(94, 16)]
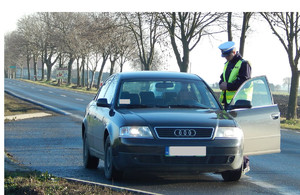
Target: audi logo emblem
[(185, 133)]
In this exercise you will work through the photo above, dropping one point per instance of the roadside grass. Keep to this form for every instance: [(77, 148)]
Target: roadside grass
[(63, 86), (293, 124), (14, 106), (33, 182)]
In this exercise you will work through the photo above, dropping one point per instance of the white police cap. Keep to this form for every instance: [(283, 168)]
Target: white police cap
[(226, 48)]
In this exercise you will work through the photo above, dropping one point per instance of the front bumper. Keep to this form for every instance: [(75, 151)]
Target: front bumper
[(145, 154)]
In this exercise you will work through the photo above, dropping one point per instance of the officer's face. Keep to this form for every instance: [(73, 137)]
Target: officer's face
[(230, 56)]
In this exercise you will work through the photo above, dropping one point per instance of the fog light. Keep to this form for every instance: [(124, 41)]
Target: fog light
[(231, 159)]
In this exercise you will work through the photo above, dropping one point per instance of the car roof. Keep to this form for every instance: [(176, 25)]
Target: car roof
[(157, 75)]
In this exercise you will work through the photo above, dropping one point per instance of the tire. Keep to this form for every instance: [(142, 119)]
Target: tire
[(234, 175), (109, 170), (89, 161)]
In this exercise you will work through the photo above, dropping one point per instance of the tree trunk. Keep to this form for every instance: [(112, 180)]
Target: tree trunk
[(292, 105), (92, 79), (229, 31), (82, 68), (184, 62), (35, 67), (245, 27), (22, 73), (100, 77), (43, 67), (49, 69), (112, 66), (70, 63), (78, 73), (60, 66), (87, 74), (28, 67)]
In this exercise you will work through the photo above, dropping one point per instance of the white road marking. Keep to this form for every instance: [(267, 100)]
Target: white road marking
[(40, 90), (78, 99), (50, 91), (113, 186), (266, 185), (26, 116), (63, 95)]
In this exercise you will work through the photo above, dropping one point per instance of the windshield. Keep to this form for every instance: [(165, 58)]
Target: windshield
[(166, 94)]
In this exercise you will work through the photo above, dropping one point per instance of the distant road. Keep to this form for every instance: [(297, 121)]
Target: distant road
[(66, 101), (54, 144)]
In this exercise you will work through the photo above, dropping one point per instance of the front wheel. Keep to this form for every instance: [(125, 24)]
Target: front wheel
[(89, 161), (109, 169), (234, 175)]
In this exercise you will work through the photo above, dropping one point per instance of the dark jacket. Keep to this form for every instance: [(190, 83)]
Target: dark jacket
[(244, 73)]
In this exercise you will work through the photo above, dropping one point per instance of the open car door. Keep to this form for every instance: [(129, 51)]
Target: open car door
[(259, 118)]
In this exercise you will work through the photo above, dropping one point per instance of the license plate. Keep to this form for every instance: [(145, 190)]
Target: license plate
[(185, 151)]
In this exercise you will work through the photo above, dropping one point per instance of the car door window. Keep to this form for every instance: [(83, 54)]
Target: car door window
[(111, 90), (104, 87), (256, 91)]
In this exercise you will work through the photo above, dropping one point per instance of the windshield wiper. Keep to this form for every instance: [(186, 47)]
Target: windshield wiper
[(187, 106), (136, 106)]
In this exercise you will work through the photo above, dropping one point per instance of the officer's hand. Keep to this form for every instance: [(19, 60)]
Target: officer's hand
[(223, 86)]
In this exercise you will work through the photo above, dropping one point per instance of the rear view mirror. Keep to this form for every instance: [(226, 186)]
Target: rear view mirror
[(102, 102), (164, 85), (241, 104)]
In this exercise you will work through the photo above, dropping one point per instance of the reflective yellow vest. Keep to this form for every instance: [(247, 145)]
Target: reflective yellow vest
[(232, 77)]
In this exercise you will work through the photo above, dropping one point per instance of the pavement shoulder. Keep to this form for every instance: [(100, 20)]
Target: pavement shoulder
[(27, 116)]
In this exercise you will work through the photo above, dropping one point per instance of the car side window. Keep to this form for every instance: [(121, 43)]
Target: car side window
[(104, 88), (256, 91), (111, 90)]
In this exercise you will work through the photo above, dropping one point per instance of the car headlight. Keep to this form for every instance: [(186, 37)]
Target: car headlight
[(229, 132), (135, 132)]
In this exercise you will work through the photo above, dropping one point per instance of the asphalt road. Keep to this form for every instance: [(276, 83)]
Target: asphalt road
[(54, 144)]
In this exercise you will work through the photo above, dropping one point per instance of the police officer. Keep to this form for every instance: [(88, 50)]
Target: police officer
[(236, 71)]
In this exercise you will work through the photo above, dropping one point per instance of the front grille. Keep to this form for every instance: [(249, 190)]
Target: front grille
[(184, 132)]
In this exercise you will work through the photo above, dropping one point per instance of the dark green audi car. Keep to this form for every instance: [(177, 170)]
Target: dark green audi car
[(169, 121)]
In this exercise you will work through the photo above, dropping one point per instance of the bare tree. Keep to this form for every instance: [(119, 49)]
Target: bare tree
[(285, 26), (146, 31), (13, 53), (126, 46), (231, 26), (100, 31), (67, 25), (185, 30), (26, 25), (50, 46)]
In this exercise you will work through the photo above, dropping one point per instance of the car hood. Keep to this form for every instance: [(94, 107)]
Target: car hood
[(177, 117)]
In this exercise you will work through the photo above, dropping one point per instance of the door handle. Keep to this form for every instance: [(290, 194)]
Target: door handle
[(275, 116)]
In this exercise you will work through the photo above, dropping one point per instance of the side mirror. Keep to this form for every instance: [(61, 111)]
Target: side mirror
[(241, 104), (102, 102)]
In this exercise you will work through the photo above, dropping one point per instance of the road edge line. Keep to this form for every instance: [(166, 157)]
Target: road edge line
[(52, 108), (118, 188)]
